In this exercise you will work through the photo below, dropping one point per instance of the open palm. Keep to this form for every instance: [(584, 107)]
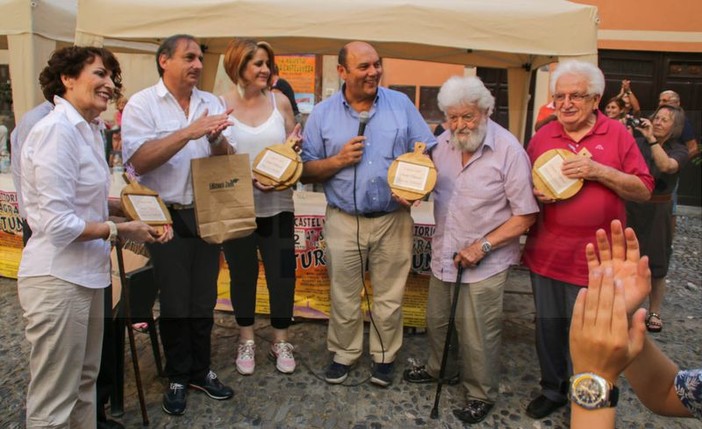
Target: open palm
[(624, 257)]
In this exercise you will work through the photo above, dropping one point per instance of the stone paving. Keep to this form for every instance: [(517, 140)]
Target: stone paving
[(268, 399)]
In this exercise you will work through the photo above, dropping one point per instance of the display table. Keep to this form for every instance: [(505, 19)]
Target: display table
[(312, 285)]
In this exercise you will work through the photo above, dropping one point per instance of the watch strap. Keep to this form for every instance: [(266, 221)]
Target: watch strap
[(485, 245), (612, 397), (112, 238)]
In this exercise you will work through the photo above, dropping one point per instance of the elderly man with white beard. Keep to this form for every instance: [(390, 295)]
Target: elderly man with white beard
[(483, 202)]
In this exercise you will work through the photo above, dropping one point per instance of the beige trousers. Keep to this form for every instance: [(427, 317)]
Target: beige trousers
[(386, 244), (478, 328), (64, 328)]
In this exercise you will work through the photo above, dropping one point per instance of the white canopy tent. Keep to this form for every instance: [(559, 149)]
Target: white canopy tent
[(519, 35), (31, 30)]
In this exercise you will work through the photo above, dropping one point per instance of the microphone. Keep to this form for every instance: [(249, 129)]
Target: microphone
[(363, 120)]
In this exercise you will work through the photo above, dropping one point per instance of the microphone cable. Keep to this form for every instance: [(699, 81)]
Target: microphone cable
[(361, 129)]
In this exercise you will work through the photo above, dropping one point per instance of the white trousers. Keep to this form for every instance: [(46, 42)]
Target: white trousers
[(64, 328)]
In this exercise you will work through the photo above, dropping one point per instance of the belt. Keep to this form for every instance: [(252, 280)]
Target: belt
[(373, 215), (660, 198), (176, 206)]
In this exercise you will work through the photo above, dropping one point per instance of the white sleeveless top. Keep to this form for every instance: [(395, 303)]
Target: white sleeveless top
[(252, 140)]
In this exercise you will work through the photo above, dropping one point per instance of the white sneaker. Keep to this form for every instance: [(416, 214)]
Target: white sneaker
[(282, 353), (245, 358)]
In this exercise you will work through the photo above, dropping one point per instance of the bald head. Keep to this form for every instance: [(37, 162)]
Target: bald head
[(354, 48), (670, 98)]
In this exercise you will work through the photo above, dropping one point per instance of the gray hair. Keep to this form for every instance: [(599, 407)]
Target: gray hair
[(593, 75), (461, 90), (678, 115), (674, 96)]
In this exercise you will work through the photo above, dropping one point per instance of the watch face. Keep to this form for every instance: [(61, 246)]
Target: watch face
[(487, 247), (589, 392)]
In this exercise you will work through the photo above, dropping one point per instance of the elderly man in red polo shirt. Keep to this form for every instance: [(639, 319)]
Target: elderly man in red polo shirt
[(613, 170)]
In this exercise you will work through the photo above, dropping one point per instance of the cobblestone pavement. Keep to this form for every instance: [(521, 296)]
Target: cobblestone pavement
[(268, 399)]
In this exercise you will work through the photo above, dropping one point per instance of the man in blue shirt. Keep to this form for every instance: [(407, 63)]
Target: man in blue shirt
[(365, 225)]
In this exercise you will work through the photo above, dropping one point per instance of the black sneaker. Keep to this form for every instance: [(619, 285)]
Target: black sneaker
[(337, 373), (382, 374), (174, 399), (420, 375), (213, 387), (475, 411)]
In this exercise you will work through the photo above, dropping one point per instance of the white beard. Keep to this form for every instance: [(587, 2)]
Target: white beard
[(469, 142)]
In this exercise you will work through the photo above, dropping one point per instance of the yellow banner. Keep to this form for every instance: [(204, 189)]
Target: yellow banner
[(312, 284), (10, 235)]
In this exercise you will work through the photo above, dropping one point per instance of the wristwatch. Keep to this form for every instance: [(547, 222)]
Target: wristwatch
[(112, 238), (592, 392), (485, 245)]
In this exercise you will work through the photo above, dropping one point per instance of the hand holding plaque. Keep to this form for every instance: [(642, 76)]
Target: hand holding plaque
[(143, 204), (412, 175), (548, 177), (279, 165)]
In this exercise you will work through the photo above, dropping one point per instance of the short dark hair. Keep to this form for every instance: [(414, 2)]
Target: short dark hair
[(168, 48), (343, 53), (618, 101), (70, 61)]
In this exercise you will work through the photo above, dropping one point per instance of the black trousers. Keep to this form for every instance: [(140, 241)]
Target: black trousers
[(186, 270), (554, 301), (274, 238), (107, 376)]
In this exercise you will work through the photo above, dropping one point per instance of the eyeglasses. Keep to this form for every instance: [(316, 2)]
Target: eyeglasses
[(574, 98), (468, 118)]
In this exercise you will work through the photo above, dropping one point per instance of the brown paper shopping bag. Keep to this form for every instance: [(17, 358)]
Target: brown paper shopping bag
[(223, 194)]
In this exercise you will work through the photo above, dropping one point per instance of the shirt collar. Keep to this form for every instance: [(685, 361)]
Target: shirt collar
[(162, 91), (342, 96), (75, 118), (601, 127)]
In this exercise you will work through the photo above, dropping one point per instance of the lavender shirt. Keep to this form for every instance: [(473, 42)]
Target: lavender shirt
[(471, 201)]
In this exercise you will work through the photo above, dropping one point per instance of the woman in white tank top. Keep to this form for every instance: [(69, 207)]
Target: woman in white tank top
[(261, 118)]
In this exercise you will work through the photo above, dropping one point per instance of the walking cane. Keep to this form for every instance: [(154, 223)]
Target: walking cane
[(452, 324), (130, 333)]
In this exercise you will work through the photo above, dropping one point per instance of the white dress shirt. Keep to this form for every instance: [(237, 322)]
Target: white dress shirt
[(65, 184), (17, 138), (154, 113)]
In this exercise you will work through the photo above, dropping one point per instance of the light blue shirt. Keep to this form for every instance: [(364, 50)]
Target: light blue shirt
[(394, 126), (17, 138)]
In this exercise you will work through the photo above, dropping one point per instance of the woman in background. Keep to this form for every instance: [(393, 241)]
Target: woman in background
[(652, 220)]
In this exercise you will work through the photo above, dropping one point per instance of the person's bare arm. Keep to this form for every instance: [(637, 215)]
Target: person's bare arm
[(320, 170), (663, 162), (693, 148), (652, 376), (154, 153), (628, 186), (512, 228)]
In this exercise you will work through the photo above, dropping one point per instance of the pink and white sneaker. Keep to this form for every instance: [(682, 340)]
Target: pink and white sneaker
[(282, 353), (245, 358)]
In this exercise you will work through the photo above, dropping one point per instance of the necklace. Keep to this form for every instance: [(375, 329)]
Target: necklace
[(186, 108)]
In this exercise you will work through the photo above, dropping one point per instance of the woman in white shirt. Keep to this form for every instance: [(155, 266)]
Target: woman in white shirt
[(66, 263), (261, 118)]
